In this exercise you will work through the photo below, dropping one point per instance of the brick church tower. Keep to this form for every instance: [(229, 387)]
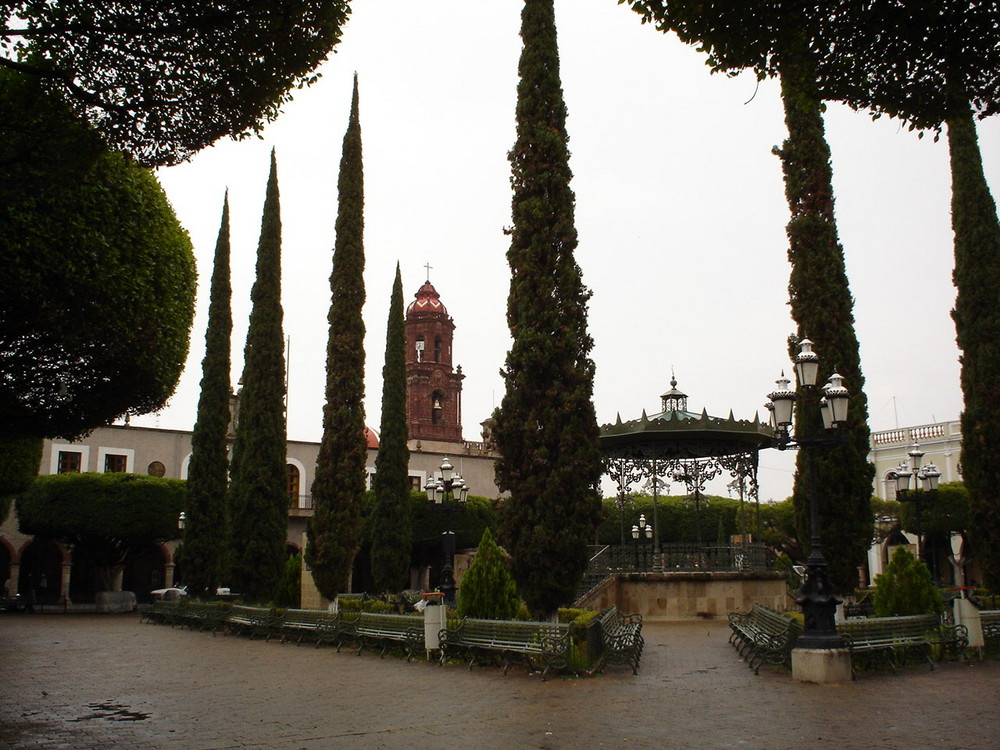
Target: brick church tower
[(433, 388)]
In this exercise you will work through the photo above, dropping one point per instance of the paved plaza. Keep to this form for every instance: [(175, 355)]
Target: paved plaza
[(107, 681)]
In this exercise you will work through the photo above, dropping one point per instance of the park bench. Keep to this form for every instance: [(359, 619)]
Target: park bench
[(622, 637), (544, 644), (170, 613), (203, 615), (158, 612), (314, 624), (215, 616), (148, 613), (763, 636), (254, 621), (382, 631), (894, 639)]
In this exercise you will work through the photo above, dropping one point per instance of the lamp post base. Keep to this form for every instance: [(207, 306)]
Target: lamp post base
[(822, 666)]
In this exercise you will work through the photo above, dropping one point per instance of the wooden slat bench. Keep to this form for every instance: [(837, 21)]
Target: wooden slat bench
[(148, 613), (763, 636), (381, 631), (313, 624), (318, 625), (158, 612), (254, 621), (622, 637), (894, 639), (205, 615), (544, 644)]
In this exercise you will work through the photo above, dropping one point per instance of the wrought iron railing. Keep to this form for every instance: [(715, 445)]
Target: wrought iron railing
[(644, 558)]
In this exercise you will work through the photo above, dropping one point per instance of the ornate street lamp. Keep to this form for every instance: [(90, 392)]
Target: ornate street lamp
[(818, 599), (450, 488), (637, 532), (449, 485), (927, 476), (654, 485)]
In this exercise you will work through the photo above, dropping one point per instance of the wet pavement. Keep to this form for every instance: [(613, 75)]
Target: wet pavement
[(106, 681)]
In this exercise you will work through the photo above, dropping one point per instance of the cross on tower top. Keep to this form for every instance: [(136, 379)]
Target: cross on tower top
[(428, 266)]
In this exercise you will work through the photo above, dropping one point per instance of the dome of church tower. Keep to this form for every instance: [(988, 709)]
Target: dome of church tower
[(427, 302)]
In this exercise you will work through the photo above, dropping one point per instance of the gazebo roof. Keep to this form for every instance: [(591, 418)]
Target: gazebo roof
[(677, 433)]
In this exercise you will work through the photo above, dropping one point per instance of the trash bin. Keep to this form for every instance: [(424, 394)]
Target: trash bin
[(966, 613), (435, 619)]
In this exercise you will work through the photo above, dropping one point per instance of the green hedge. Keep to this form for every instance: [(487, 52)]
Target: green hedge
[(129, 508)]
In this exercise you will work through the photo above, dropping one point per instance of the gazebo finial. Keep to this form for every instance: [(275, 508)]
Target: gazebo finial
[(673, 400)]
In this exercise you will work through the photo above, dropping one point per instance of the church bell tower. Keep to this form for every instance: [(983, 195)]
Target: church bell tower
[(433, 387)]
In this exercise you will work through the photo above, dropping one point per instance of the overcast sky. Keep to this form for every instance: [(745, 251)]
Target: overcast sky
[(680, 212)]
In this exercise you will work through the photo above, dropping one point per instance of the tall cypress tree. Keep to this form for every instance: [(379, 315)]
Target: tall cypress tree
[(780, 38), (822, 308), (259, 490), (546, 428), (391, 534), (208, 474), (977, 321), (335, 528), (935, 64)]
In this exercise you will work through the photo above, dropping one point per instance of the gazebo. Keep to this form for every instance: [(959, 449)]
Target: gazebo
[(683, 446), (682, 581)]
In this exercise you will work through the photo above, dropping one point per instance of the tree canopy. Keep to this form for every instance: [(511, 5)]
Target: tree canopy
[(74, 507), (915, 60), (98, 282), (922, 61), (120, 513), (162, 79)]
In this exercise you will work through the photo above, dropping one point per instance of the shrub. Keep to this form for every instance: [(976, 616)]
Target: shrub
[(289, 585), (906, 588), (488, 590)]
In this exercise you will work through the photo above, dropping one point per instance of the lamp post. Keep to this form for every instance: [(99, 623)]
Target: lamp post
[(182, 521), (818, 599), (655, 484), (449, 487), (927, 476), (637, 532)]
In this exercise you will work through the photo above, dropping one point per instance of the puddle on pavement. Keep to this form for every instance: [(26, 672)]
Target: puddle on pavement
[(112, 712)]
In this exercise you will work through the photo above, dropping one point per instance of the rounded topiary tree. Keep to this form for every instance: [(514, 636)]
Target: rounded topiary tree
[(488, 590), (905, 588)]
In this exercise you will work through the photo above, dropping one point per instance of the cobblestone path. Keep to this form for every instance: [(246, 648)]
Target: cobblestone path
[(99, 682)]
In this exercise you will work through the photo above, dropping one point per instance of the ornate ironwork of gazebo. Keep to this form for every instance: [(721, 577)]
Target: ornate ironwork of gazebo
[(682, 446)]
